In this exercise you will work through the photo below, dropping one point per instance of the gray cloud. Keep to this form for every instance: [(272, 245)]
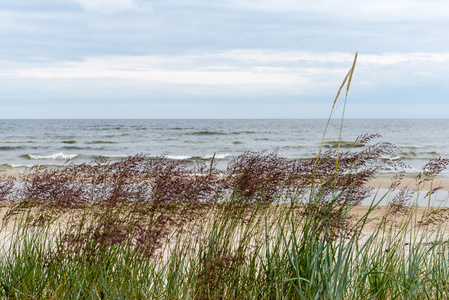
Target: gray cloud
[(212, 51)]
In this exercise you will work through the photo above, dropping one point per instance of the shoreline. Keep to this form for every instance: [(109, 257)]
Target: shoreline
[(441, 184)]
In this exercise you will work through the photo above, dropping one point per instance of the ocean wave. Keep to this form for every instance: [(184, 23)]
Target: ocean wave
[(108, 156), (56, 156), (410, 154), (69, 142), (179, 157), (6, 148), (217, 156), (174, 128), (343, 144), (21, 167), (203, 157), (392, 158), (74, 148), (103, 127), (243, 132), (14, 166), (208, 133), (6, 167), (409, 146), (19, 142), (195, 142), (101, 142), (423, 155)]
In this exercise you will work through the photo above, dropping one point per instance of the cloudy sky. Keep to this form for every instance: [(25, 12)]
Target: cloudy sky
[(222, 58)]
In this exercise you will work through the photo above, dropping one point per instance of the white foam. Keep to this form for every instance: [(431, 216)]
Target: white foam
[(20, 166), (60, 156), (182, 157), (178, 157), (217, 156), (390, 158)]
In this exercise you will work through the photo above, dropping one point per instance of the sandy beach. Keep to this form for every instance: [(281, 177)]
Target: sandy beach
[(375, 216), (381, 183), (409, 183), (428, 218)]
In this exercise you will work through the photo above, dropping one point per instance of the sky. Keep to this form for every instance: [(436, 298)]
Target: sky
[(187, 59)]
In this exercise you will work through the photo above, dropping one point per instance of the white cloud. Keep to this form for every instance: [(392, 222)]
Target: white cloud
[(262, 69), (354, 9), (110, 6), (265, 56), (395, 58), (256, 70)]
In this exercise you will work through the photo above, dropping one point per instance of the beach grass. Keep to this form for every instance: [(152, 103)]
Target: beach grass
[(232, 251), (267, 227)]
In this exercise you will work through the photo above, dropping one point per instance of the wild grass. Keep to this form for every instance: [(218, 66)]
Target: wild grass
[(265, 228), (153, 229)]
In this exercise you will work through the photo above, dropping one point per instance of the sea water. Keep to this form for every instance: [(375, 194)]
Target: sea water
[(24, 143)]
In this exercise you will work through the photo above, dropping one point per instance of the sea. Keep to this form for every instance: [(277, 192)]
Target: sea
[(53, 143)]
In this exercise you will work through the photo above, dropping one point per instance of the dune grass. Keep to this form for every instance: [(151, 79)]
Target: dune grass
[(265, 228), (232, 251)]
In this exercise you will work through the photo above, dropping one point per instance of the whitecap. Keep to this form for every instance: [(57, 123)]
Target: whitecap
[(178, 157), (217, 156), (60, 156), (393, 158)]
